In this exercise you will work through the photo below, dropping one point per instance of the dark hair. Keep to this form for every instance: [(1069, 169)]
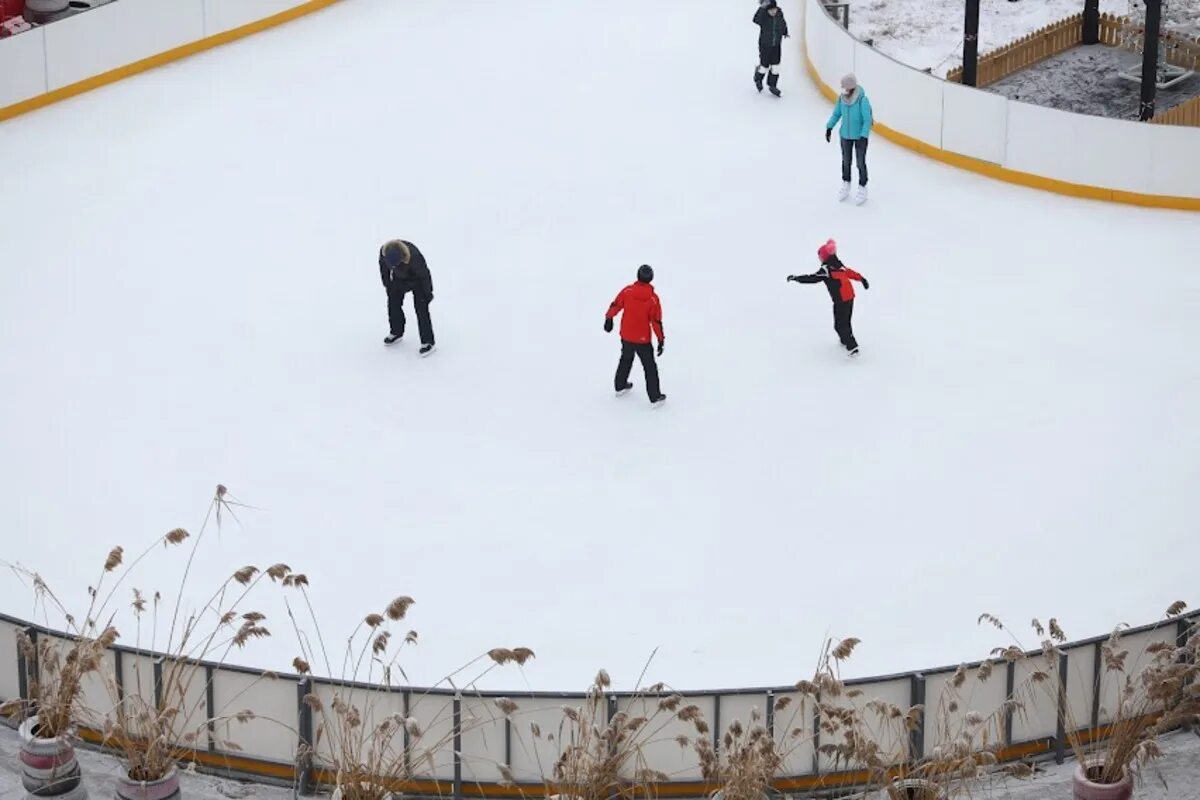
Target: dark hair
[(645, 273)]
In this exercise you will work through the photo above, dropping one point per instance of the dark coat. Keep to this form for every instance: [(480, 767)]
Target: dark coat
[(411, 277), (771, 30)]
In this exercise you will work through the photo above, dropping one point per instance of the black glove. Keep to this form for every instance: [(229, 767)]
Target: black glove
[(791, 277), (661, 344), (866, 284), (608, 324), (829, 134)]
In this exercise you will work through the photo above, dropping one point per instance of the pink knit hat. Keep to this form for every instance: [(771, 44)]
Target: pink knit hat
[(826, 250)]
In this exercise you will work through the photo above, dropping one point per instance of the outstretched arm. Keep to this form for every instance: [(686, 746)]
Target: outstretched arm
[(816, 277)]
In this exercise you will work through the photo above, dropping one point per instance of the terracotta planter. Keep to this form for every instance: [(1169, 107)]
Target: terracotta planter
[(48, 766), (165, 788), (1086, 790)]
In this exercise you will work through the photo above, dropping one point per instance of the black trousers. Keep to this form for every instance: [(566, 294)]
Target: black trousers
[(841, 323), (854, 148), (645, 352), (396, 314)]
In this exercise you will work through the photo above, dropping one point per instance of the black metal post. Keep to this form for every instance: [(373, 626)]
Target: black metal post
[(771, 713), (1010, 682), (304, 763), (716, 731), (458, 779), (27, 676), (1060, 736), (1183, 631), (119, 674), (1091, 22), (1097, 675), (507, 741), (405, 698), (917, 693), (210, 705), (1150, 59), (816, 735), (971, 45), (158, 684)]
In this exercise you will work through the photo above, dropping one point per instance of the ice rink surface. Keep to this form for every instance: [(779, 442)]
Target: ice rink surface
[(189, 295)]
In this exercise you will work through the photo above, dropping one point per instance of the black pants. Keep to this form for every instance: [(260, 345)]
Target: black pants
[(396, 314), (854, 148), (645, 352), (841, 323)]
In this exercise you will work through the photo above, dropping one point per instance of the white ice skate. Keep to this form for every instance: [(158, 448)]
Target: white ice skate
[(844, 192), (861, 196), (853, 353)]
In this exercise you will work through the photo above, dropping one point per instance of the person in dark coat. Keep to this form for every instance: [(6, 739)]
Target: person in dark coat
[(402, 269), (772, 30), (641, 316), (837, 278)]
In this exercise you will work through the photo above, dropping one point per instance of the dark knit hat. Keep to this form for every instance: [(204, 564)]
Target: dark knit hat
[(645, 273)]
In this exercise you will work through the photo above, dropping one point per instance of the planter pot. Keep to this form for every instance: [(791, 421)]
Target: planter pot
[(1086, 790), (165, 788), (914, 789), (48, 766), (337, 795)]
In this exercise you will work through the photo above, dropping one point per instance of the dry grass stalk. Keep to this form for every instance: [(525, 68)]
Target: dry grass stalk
[(1156, 693), (372, 750), (154, 733)]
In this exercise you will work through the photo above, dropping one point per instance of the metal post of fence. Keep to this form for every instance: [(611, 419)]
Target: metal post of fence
[(119, 674), (458, 779), (1183, 629), (771, 712), (1060, 735), (816, 726), (508, 741), (1010, 682), (405, 701), (304, 763), (971, 45), (716, 731), (210, 704), (1150, 59), (158, 687), (1091, 22), (1097, 673), (917, 695)]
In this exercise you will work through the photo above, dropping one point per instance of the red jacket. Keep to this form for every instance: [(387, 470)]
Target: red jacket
[(844, 276), (640, 311)]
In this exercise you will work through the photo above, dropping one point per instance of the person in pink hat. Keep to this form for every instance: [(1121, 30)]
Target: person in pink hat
[(839, 280)]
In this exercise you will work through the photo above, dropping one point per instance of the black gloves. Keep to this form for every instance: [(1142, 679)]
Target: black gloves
[(608, 324), (791, 277), (866, 284), (661, 344), (829, 134)]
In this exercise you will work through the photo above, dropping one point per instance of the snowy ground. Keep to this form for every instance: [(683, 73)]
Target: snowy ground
[(193, 298), (1085, 80), (1174, 777), (927, 34)]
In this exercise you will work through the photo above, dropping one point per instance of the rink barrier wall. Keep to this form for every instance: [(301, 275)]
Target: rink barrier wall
[(1042, 148), (115, 41), (266, 751)]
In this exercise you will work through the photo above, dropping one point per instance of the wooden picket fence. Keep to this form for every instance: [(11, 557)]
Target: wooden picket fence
[(1183, 114), (1065, 34)]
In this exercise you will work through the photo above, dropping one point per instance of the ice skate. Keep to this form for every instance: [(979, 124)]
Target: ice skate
[(853, 353), (773, 84), (426, 350), (625, 391), (662, 398), (844, 192), (861, 196), (391, 338), (758, 80)]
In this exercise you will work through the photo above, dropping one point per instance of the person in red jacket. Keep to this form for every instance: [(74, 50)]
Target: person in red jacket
[(838, 279), (641, 314)]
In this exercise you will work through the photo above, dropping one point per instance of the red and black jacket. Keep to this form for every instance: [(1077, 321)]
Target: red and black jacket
[(837, 277), (640, 312)]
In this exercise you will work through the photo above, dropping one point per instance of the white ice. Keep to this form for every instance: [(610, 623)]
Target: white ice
[(189, 295)]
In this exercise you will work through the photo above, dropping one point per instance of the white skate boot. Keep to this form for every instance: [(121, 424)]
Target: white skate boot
[(844, 192), (861, 196)]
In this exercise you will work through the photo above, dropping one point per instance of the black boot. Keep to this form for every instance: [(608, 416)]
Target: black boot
[(773, 83), (758, 76)]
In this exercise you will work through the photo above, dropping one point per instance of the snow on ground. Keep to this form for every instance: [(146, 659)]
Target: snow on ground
[(1176, 776), (927, 34), (194, 298), (1086, 80)]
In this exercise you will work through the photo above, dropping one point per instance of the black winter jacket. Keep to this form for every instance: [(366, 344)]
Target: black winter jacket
[(771, 30), (411, 277)]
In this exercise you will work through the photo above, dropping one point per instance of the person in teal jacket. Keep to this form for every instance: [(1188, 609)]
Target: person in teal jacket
[(853, 109)]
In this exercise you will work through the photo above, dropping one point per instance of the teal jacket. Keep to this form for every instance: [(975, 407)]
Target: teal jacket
[(856, 117)]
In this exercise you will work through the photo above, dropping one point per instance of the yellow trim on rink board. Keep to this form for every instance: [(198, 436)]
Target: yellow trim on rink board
[(1010, 175), (158, 60)]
